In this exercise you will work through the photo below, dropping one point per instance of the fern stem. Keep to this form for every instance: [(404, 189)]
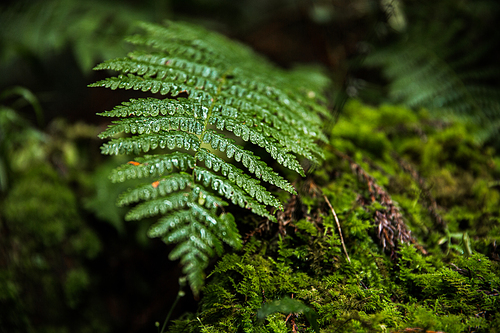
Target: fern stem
[(209, 114), (180, 294), (210, 109)]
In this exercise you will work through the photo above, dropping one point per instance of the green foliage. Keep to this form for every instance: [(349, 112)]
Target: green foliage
[(345, 297), (77, 282), (225, 126), (48, 202), (446, 62), (93, 30), (15, 130), (433, 169), (225, 114), (103, 202), (46, 244)]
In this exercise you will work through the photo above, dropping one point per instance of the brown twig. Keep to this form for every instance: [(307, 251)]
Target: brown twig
[(338, 226)]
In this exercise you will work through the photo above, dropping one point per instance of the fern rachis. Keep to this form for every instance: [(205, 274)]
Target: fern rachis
[(196, 165)]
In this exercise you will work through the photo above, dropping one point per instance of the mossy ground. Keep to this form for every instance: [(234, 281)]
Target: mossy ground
[(390, 175)]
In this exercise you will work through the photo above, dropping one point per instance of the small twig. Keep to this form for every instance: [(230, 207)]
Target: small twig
[(338, 226), (180, 294)]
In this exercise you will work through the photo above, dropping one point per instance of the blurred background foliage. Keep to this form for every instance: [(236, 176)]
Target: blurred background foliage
[(68, 262)]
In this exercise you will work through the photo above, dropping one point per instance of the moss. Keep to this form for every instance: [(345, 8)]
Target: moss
[(40, 205), (76, 283), (381, 163), (45, 245), (357, 297)]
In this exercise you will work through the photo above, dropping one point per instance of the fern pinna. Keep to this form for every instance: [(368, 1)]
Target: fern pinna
[(227, 91)]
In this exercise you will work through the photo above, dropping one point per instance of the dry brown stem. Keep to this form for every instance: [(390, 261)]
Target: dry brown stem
[(338, 226)]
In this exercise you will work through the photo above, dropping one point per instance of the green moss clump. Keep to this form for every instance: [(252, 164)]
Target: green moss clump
[(43, 273), (46, 243), (370, 294)]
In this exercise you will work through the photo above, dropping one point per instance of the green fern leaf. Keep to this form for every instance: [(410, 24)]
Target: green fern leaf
[(253, 163), (148, 125), (181, 218), (237, 195), (266, 137), (153, 107), (206, 198), (250, 185), (230, 91), (158, 206), (161, 187), (268, 125), (146, 142), (152, 165)]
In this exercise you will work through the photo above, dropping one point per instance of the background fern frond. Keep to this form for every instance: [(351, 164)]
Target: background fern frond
[(231, 93), (439, 66), (92, 30)]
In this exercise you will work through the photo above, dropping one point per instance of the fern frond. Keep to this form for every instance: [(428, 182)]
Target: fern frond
[(153, 107), (434, 67), (205, 198), (230, 91), (194, 252), (187, 41), (131, 81), (162, 67), (157, 74), (266, 137), (250, 185), (195, 217), (158, 206)]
